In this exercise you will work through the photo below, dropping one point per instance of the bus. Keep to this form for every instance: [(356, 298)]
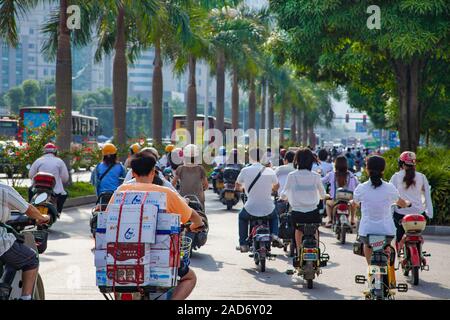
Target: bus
[(9, 128), (179, 128), (84, 128)]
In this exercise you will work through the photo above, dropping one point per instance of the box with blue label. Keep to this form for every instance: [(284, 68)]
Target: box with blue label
[(168, 223), (159, 199), (163, 277)]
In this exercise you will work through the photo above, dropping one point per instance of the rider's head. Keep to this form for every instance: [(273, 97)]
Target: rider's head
[(341, 166), (222, 151), (109, 152), (323, 155), (143, 165), (135, 148), (169, 148), (407, 162), (375, 169), (304, 159), (289, 157), (50, 148)]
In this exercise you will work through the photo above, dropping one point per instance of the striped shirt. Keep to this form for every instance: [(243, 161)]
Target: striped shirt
[(10, 199)]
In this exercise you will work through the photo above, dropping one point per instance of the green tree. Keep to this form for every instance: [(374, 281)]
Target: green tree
[(31, 89), (331, 40), (15, 99)]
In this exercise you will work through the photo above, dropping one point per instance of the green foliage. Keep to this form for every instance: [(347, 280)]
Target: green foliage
[(77, 189), (30, 89), (15, 98), (434, 163)]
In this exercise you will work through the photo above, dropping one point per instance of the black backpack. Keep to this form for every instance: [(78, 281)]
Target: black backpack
[(286, 230)]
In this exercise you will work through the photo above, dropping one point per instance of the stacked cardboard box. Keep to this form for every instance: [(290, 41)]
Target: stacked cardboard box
[(121, 259)]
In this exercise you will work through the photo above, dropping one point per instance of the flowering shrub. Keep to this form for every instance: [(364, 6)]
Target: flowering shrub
[(85, 156)]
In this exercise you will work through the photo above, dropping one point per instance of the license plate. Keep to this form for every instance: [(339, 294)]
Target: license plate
[(220, 185), (377, 270), (229, 195), (43, 210), (310, 256)]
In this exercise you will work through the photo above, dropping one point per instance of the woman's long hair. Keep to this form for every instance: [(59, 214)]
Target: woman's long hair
[(341, 172), (410, 175), (375, 166), (110, 159)]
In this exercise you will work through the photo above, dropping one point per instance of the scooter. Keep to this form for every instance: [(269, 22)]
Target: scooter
[(100, 206), (217, 179), (260, 241), (381, 272), (341, 213), (412, 258), (44, 199), (35, 237), (229, 196), (310, 260), (198, 238)]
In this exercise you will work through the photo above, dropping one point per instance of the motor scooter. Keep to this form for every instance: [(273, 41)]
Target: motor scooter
[(340, 214), (44, 199), (229, 196)]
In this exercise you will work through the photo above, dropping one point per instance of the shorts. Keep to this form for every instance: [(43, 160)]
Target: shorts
[(365, 239), (20, 257), (306, 218)]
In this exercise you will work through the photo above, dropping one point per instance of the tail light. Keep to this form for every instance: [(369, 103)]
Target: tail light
[(44, 180), (310, 250), (342, 207)]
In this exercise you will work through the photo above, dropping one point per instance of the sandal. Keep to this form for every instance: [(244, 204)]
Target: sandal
[(328, 224)]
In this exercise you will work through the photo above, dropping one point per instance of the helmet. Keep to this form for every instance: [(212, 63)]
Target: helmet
[(169, 148), (50, 148), (190, 151), (176, 156), (283, 153), (109, 149), (408, 158), (222, 151), (153, 151), (135, 148)]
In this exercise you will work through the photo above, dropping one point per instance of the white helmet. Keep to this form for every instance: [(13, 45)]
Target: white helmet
[(191, 151)]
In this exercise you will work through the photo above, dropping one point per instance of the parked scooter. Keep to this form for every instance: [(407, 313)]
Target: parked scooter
[(310, 260), (381, 273), (35, 237), (44, 199), (412, 258), (198, 238), (100, 206), (229, 196), (341, 213)]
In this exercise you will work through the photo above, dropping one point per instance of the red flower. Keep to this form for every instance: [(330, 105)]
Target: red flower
[(43, 125)]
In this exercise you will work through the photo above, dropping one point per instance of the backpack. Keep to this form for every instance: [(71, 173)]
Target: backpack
[(286, 229)]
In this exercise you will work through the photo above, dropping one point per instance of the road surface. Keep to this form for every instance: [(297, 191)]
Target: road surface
[(223, 273)]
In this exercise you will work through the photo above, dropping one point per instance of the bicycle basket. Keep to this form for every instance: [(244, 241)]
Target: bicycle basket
[(185, 249)]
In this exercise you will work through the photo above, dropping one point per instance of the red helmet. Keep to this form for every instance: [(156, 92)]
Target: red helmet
[(408, 158), (50, 148)]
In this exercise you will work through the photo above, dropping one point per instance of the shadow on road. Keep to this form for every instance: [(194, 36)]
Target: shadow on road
[(320, 290), (206, 262), (431, 289)]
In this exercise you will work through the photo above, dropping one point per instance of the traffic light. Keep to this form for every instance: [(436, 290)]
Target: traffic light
[(347, 118), (364, 119)]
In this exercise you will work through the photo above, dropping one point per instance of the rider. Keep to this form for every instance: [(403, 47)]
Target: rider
[(259, 200), (324, 167), (221, 158), (350, 159), (376, 197), (192, 176), (143, 166), (341, 178), (50, 163), (283, 171), (109, 174), (303, 190), (164, 161), (412, 186), (12, 252), (134, 148)]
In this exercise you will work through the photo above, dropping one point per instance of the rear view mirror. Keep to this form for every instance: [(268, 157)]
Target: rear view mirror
[(40, 198)]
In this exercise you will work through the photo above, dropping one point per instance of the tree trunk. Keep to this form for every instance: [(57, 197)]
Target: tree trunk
[(312, 137), (252, 105), (408, 85), (157, 96), (220, 92), (271, 110), (191, 107), (293, 124), (63, 83), (263, 104), (282, 120), (299, 126), (235, 100), (304, 129), (120, 81)]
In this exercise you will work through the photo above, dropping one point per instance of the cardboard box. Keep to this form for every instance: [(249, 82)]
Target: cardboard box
[(129, 232), (132, 213), (100, 240), (128, 253), (166, 251), (159, 199), (100, 258), (128, 275), (168, 223), (163, 277), (102, 217), (101, 278)]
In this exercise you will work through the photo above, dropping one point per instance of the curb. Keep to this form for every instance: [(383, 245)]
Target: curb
[(437, 230), (80, 201)]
